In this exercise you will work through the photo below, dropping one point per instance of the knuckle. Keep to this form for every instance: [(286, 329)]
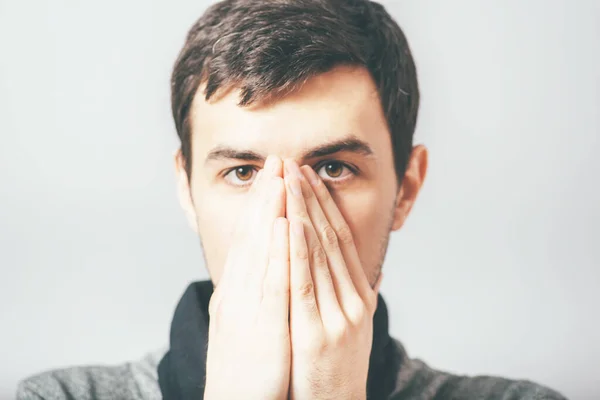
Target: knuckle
[(318, 255), (301, 214), (307, 192), (320, 347), (311, 309), (339, 331), (301, 254), (329, 237), (306, 289), (357, 312), (344, 234)]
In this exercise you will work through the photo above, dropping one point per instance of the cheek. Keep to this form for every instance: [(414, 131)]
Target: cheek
[(217, 215), (366, 213)]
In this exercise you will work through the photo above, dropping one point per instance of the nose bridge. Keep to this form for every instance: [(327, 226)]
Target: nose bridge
[(289, 141)]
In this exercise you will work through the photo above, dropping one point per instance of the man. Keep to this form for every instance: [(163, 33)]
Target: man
[(296, 121)]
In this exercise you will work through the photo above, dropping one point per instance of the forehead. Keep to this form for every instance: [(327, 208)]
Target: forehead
[(328, 107)]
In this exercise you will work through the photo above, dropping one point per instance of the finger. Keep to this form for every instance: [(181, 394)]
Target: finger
[(376, 286), (378, 283), (252, 233), (261, 231), (344, 235), (297, 211), (347, 295), (239, 245), (276, 285), (256, 196), (303, 303), (274, 166), (271, 205)]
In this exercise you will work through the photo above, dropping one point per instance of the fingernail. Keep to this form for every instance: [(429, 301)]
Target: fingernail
[(312, 176), (295, 170)]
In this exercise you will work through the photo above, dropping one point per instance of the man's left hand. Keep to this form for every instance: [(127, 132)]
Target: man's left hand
[(331, 301)]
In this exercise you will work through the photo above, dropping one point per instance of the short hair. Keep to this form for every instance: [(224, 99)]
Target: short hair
[(268, 48)]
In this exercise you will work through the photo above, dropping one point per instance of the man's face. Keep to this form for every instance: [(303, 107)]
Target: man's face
[(230, 144)]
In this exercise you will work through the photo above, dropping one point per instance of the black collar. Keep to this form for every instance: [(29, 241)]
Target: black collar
[(181, 372)]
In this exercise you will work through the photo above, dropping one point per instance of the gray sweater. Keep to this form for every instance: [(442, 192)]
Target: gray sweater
[(139, 381)]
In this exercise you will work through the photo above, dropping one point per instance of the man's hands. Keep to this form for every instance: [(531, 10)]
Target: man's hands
[(331, 301), (307, 270), (248, 353)]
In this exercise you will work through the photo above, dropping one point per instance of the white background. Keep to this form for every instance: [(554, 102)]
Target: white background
[(496, 271)]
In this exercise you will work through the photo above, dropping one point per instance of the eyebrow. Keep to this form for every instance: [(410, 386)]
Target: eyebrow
[(349, 144)]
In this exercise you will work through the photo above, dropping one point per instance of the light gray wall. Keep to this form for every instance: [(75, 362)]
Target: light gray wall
[(496, 271)]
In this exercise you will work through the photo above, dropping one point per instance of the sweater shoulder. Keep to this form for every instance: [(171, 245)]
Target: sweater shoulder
[(132, 381), (416, 380)]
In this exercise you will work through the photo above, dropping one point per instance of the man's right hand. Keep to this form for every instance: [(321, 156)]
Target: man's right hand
[(248, 354)]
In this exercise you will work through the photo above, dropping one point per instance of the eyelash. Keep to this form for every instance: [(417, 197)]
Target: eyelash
[(353, 170)]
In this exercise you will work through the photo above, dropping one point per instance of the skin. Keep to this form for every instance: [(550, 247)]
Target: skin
[(253, 294), (331, 301), (334, 106), (349, 205)]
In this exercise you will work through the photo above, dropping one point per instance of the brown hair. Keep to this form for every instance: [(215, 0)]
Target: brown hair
[(268, 48)]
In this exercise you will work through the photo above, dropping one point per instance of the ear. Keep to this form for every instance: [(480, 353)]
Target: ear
[(411, 185), (184, 191)]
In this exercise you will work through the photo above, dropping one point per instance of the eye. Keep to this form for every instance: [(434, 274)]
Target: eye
[(334, 171), (241, 176)]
